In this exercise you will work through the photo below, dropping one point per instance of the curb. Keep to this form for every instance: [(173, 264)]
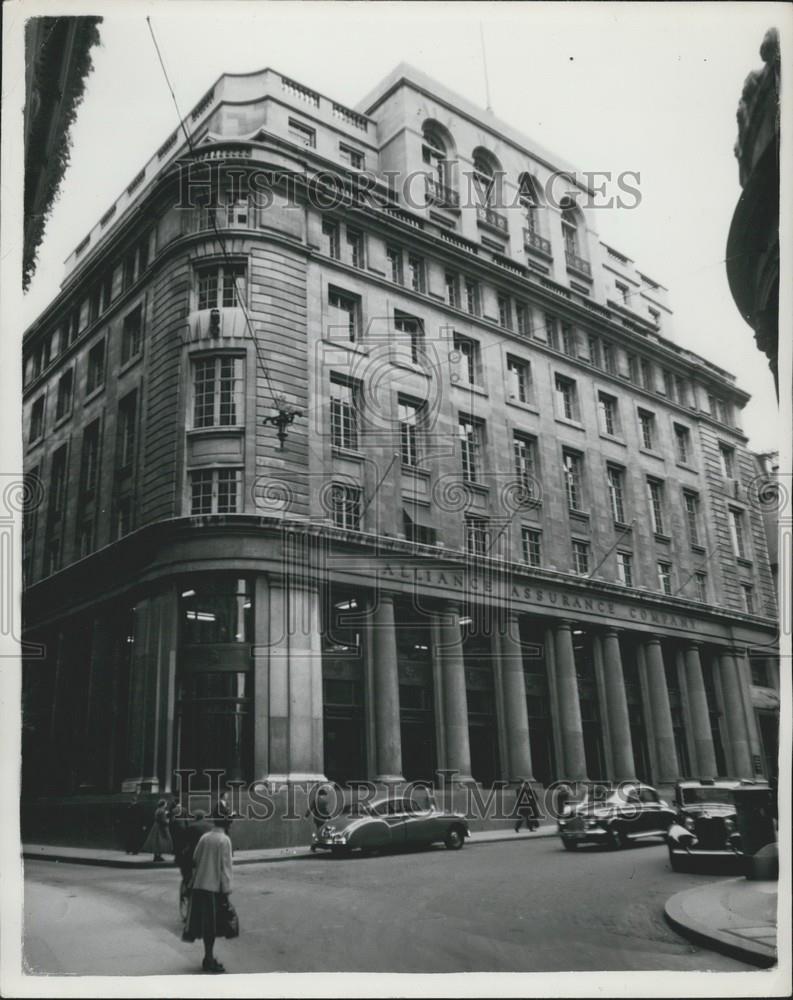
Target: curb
[(679, 920), (295, 855)]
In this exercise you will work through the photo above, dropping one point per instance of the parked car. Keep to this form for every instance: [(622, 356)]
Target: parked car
[(706, 825), (615, 816), (394, 823)]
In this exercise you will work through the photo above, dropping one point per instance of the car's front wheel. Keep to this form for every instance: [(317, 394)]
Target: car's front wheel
[(569, 845), (616, 838), (340, 851), (455, 838)]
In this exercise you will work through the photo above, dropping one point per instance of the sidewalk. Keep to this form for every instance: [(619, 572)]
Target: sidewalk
[(736, 917), (118, 859)]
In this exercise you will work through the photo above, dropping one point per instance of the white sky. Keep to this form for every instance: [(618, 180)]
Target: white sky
[(647, 87)]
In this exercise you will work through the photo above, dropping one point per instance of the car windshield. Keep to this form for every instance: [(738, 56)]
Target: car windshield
[(692, 796)]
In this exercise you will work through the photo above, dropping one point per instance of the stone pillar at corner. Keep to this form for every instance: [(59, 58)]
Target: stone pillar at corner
[(699, 713), (388, 740), (569, 705), (617, 708), (455, 697), (516, 716), (734, 713), (666, 753)]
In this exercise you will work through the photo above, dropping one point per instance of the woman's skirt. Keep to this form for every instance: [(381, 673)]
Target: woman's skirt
[(202, 915)]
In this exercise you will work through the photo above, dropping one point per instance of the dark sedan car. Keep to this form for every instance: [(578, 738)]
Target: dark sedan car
[(615, 816), (705, 827), (391, 823)]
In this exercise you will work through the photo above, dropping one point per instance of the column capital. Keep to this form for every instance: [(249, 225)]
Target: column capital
[(450, 608), (612, 630), (563, 625), (652, 640), (730, 650), (694, 645)]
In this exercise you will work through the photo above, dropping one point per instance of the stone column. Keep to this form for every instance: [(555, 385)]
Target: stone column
[(705, 753), (388, 738), (617, 707), (455, 697), (142, 728), (666, 754), (516, 716), (733, 711), (261, 678), (572, 731)]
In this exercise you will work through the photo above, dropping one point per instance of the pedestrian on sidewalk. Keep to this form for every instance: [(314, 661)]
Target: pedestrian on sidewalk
[(210, 913), (134, 825), (526, 809), (177, 826), (159, 839)]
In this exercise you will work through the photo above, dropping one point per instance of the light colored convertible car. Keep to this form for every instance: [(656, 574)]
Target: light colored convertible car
[(394, 823)]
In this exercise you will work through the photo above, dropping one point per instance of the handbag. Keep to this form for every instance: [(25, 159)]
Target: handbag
[(228, 923)]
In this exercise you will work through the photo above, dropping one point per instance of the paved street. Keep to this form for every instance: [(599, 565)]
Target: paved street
[(509, 907)]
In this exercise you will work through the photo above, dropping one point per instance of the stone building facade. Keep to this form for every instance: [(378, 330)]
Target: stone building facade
[(508, 532)]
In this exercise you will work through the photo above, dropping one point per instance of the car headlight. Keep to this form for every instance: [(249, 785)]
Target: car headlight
[(327, 830), (689, 823), (339, 838), (729, 825)]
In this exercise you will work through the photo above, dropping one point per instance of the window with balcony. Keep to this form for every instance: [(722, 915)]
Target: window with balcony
[(221, 285), (127, 431), (352, 157), (132, 335), (330, 239), (63, 405), (95, 375), (394, 270), (470, 434), (691, 502), (738, 534), (346, 506), (414, 329), (36, 420), (647, 429), (302, 134), (477, 535), (529, 201), (727, 456), (573, 471), (566, 398), (683, 444), (625, 568), (616, 488), (531, 541), (344, 414), (468, 351), (665, 577), (655, 496), (452, 282), (524, 449), (216, 491), (416, 273), (218, 391), (344, 314), (434, 153), (573, 239), (581, 557), (519, 384), (410, 414), (608, 410)]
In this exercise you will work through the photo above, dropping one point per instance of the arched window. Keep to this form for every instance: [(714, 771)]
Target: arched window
[(434, 152), (530, 202), (570, 224), (487, 179)]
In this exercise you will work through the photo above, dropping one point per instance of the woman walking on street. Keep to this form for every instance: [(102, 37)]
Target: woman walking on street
[(526, 810), (211, 915), (159, 839)]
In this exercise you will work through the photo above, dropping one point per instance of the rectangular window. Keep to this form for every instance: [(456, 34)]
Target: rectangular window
[(682, 444), (701, 587), (346, 506), (522, 319), (616, 486), (409, 419), (633, 369), (572, 467), (477, 535), (609, 358), (525, 453), (36, 420), (647, 374), (469, 357), (748, 598), (413, 327), (594, 352), (343, 415), (344, 313), (505, 312), (665, 577), (302, 134), (727, 461), (623, 291), (218, 392), (353, 157), (86, 536), (738, 533), (625, 568), (215, 491), (470, 434), (128, 277), (330, 235), (669, 386), (551, 331), (221, 285), (96, 367), (647, 428), (416, 273), (127, 427), (518, 380), (472, 297), (89, 460), (57, 495), (63, 404), (581, 557), (355, 247), (691, 501), (609, 414), (394, 261), (566, 398), (124, 512), (452, 282), (532, 546), (655, 495), (132, 334), (569, 340), (681, 390)]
